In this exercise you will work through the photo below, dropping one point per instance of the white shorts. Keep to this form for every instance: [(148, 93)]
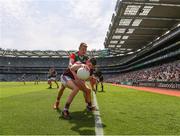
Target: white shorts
[(64, 79), (52, 78)]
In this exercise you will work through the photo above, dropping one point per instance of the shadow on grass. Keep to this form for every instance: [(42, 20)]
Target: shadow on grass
[(101, 91), (83, 121)]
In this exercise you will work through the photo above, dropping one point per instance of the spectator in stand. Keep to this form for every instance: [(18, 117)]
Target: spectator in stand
[(164, 72)]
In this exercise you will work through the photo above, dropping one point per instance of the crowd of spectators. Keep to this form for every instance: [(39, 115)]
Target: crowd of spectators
[(164, 72)]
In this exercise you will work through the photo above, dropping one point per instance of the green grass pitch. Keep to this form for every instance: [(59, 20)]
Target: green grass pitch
[(27, 109)]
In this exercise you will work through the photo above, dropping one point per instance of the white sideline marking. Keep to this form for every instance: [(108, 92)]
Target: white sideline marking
[(98, 122)]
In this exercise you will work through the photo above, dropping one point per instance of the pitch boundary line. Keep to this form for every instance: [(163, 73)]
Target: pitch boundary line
[(97, 116)]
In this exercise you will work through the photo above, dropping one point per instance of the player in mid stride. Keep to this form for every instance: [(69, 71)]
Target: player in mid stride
[(52, 77), (99, 79)]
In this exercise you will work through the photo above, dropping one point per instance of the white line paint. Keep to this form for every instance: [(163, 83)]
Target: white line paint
[(98, 122)]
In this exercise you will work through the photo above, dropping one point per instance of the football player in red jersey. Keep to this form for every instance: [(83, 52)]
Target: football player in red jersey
[(79, 56)]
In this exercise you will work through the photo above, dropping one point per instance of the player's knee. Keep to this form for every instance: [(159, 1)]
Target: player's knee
[(62, 87), (49, 81)]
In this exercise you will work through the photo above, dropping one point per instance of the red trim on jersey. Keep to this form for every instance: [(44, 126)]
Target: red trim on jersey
[(72, 56)]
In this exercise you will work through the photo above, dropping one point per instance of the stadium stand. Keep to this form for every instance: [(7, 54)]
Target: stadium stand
[(12, 68), (149, 30)]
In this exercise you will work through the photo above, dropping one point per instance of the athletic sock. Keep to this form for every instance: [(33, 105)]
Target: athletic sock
[(89, 104), (67, 106)]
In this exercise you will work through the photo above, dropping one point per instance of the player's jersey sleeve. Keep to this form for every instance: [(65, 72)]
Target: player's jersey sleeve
[(72, 56)]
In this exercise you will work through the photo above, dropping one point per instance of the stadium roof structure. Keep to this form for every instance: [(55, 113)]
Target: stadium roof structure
[(137, 24), (48, 53)]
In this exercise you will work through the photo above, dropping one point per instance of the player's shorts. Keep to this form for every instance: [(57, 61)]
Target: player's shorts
[(52, 79), (64, 79)]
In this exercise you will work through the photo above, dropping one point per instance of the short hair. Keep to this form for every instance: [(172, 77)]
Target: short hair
[(93, 61), (82, 45)]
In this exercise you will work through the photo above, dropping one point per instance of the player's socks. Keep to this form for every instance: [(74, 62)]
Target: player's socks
[(50, 86), (89, 107), (65, 112), (102, 88)]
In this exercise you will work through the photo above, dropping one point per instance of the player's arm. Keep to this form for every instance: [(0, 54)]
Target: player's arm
[(55, 73), (74, 68)]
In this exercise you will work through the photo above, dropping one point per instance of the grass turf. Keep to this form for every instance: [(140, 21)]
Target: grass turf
[(128, 111), (27, 109)]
